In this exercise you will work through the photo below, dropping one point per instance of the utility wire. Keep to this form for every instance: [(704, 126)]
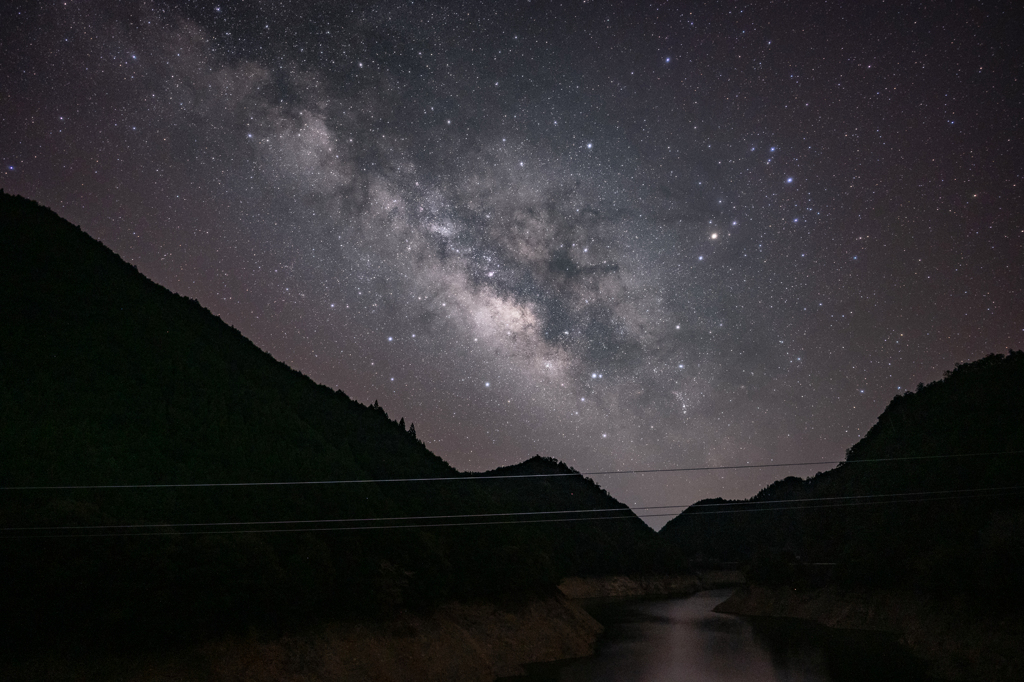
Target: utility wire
[(336, 528), (991, 492), (843, 501), (796, 464), (372, 518), (472, 477), (715, 505), (449, 525), (853, 497)]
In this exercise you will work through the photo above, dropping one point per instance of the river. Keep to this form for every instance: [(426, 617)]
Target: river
[(684, 640)]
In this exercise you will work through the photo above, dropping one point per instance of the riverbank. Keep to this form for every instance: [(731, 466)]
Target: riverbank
[(956, 638), (471, 642), (620, 586)]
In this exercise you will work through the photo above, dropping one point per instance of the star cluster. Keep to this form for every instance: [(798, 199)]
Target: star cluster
[(624, 235)]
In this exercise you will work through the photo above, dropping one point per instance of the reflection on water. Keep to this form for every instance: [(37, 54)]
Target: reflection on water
[(683, 639)]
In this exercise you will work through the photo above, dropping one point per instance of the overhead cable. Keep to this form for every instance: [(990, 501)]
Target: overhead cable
[(473, 477), (236, 526)]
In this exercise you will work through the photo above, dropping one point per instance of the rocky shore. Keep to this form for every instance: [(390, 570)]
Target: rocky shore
[(468, 642), (620, 586), (956, 638)]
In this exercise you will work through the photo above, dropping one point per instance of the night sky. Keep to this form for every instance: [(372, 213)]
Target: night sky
[(626, 235)]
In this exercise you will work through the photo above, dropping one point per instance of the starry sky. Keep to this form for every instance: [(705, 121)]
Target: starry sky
[(623, 234)]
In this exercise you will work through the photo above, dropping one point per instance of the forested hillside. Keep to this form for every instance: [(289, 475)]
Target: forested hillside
[(107, 379), (931, 498)]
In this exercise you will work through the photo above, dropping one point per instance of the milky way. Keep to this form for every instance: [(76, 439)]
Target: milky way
[(675, 234)]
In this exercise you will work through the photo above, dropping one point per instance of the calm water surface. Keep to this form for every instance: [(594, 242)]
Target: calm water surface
[(683, 639)]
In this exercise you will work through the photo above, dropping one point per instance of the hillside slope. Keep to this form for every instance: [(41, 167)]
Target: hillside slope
[(932, 498), (107, 379)]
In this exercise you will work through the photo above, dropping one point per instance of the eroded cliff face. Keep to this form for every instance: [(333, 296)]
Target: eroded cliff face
[(464, 642), (956, 638)]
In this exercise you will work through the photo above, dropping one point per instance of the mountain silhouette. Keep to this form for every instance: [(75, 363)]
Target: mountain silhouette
[(932, 498), (108, 379)]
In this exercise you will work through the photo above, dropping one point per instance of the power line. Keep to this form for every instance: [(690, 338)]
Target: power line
[(856, 497), (473, 477), (844, 501), (367, 519), (981, 492), (795, 464), (457, 524), (337, 528), (527, 513), (465, 477)]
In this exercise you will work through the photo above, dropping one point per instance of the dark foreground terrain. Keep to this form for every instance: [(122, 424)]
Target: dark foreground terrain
[(117, 397), (919, 533)]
